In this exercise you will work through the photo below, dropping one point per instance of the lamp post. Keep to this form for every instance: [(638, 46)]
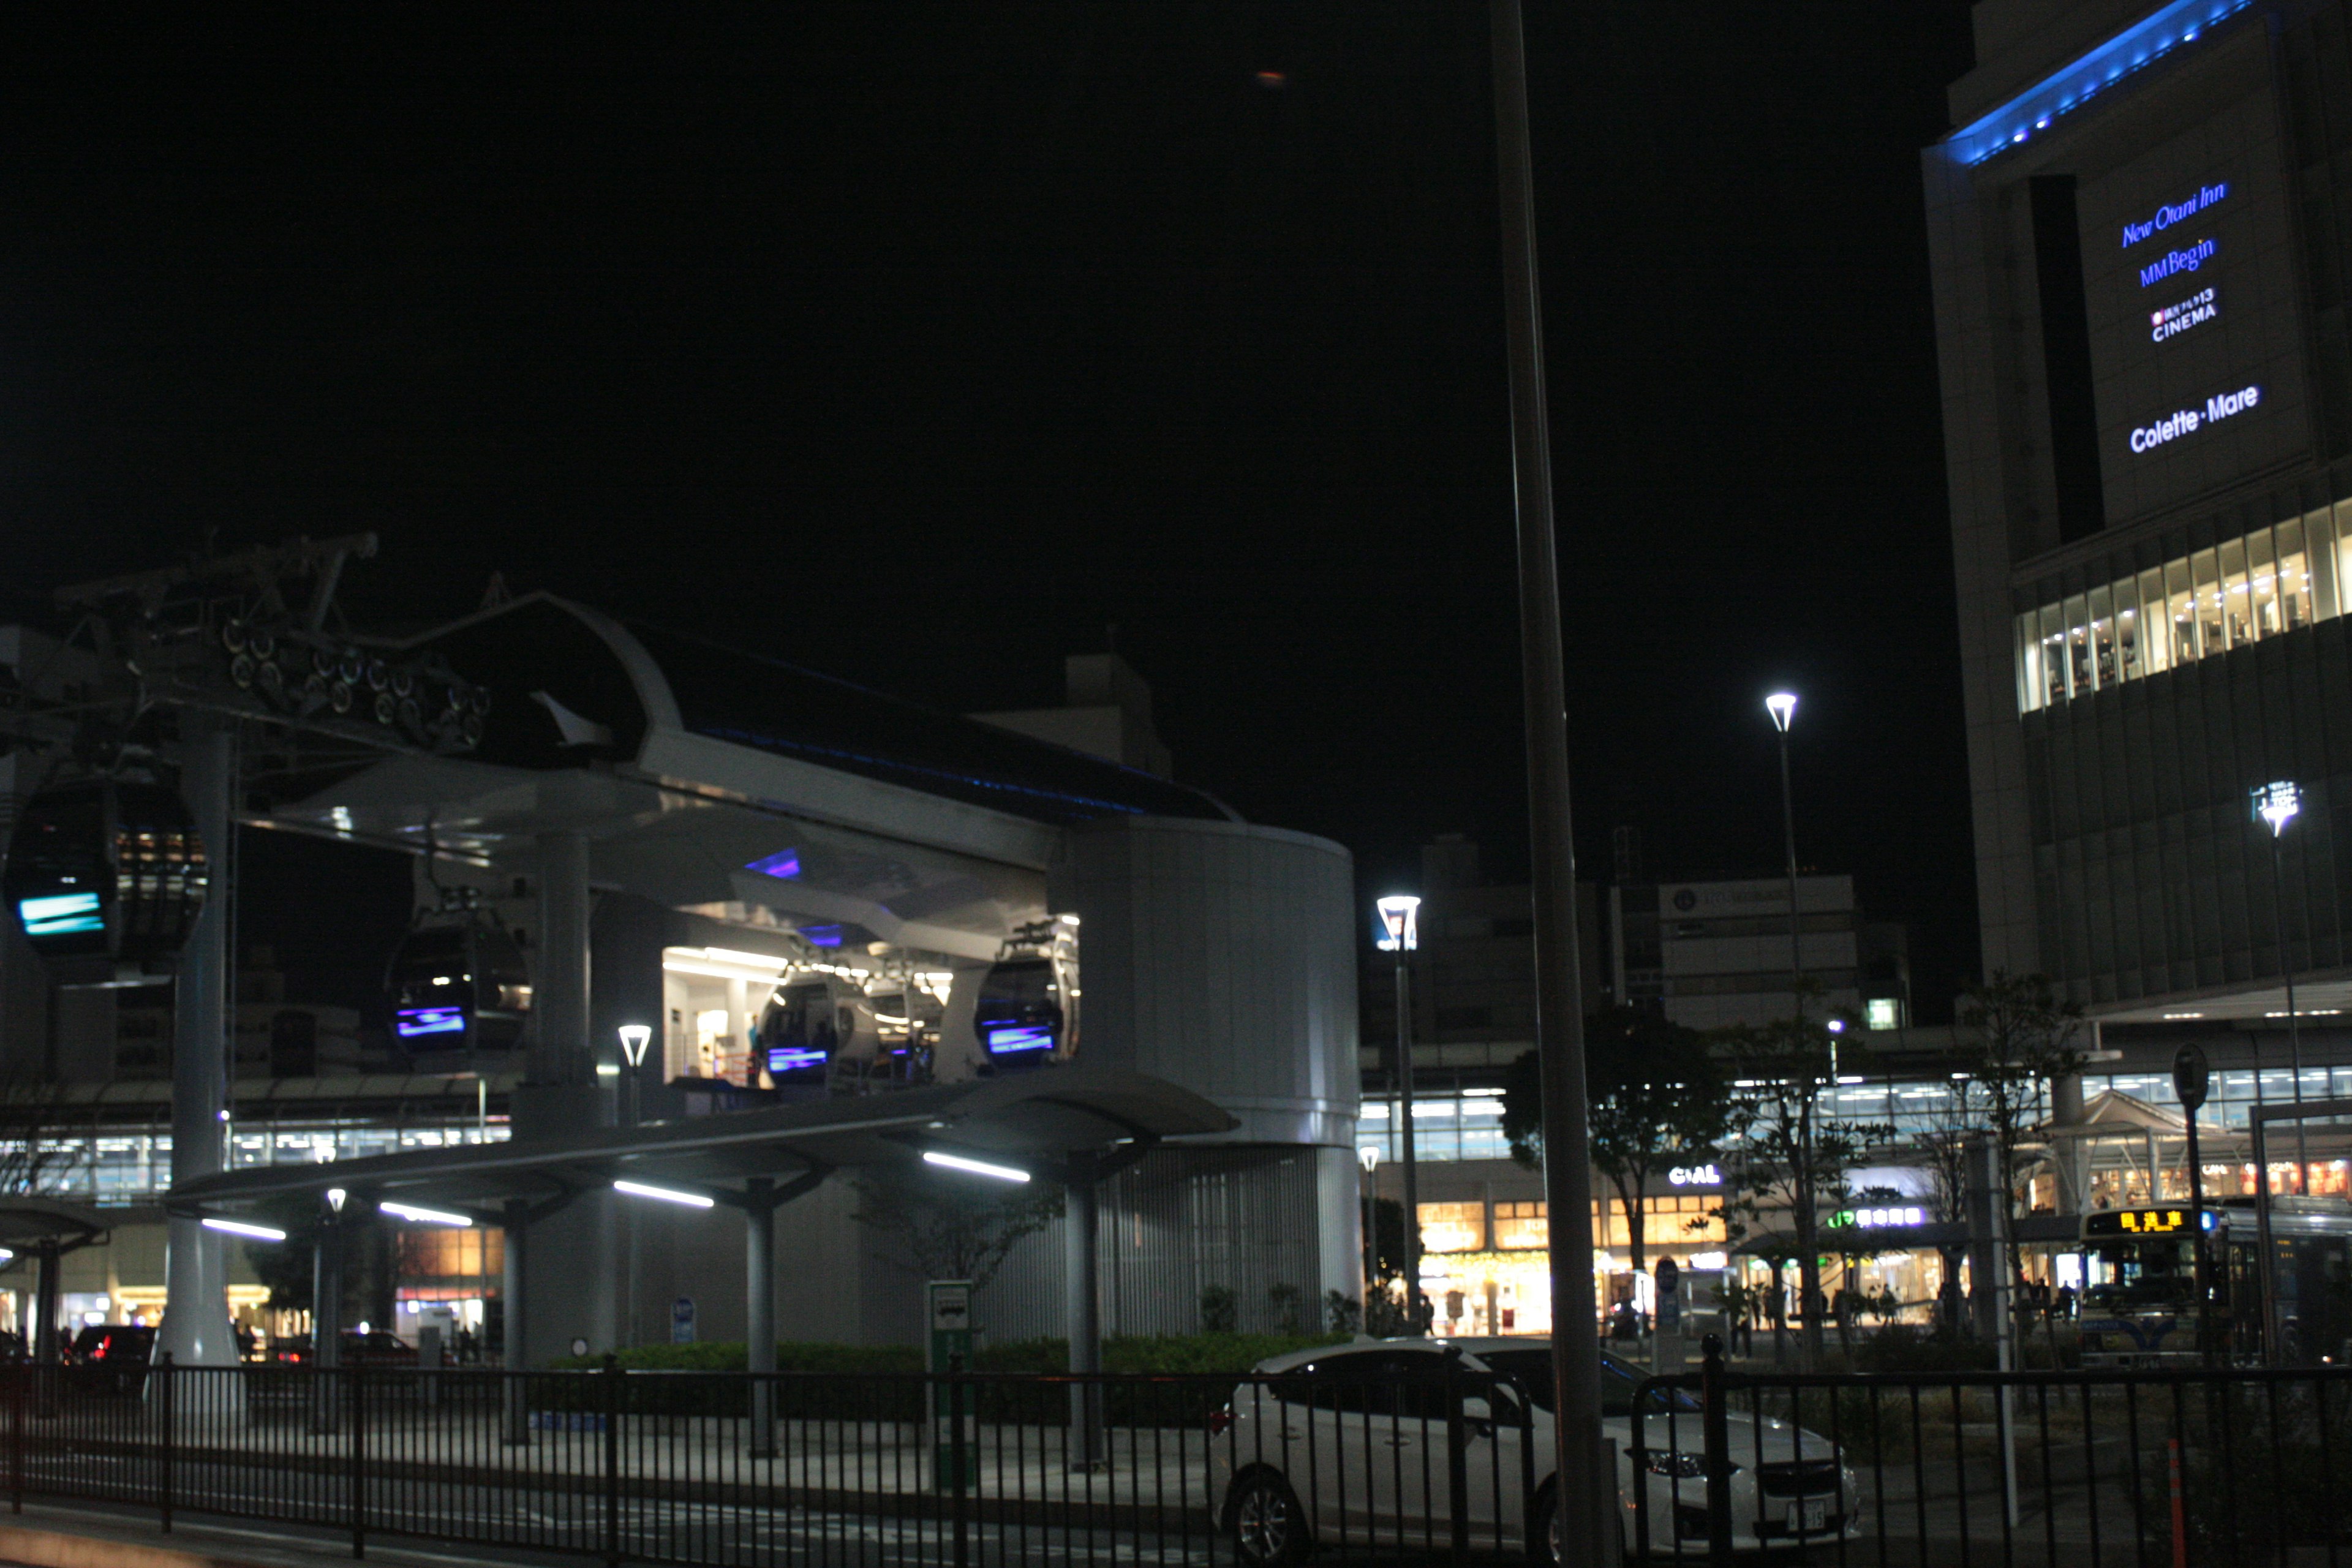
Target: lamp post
[(1782, 706), (1400, 920), (634, 1038), (2278, 804)]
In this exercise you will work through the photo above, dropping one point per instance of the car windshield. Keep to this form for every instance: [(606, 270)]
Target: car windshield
[(1531, 1370)]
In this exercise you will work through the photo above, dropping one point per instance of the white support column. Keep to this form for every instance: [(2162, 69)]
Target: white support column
[(197, 1328), (561, 1053)]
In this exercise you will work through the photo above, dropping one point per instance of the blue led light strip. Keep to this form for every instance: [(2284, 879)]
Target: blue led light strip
[(2062, 91)]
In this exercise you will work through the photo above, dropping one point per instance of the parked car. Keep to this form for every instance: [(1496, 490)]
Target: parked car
[(1349, 1445), (375, 1348), (112, 1356)]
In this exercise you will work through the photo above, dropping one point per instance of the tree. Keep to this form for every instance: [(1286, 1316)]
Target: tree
[(1793, 1152), (34, 1147), (2028, 1040), (955, 1229), (1656, 1100), (1953, 1125)]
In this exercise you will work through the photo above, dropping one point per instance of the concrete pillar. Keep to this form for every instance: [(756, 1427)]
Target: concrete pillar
[(559, 1053), (1988, 1269), (1081, 1227), (760, 1308), (49, 1264), (516, 1353), (196, 1330)]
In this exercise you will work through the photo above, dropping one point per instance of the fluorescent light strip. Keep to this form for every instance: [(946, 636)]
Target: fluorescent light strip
[(976, 1167), (666, 1194), (239, 1227), (424, 1216)]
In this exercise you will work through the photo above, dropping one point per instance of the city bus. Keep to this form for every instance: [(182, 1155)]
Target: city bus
[(2139, 1297)]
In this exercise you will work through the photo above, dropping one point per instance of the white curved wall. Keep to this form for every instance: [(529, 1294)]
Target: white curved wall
[(1220, 956)]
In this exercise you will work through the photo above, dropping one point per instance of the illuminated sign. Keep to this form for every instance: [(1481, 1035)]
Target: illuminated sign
[(2175, 319), (783, 865), (411, 1022), (793, 1059), (62, 914), (2189, 421), (2174, 262), (2165, 217), (2139, 1222), (1874, 1219), (1696, 1176), (1020, 1037)]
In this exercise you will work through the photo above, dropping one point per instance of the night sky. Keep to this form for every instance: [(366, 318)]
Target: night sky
[(924, 344)]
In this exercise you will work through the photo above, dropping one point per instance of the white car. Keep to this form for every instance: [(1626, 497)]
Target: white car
[(1347, 1448)]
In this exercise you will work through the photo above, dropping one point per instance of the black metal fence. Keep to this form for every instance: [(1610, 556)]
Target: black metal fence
[(1355, 1457), (2214, 1468)]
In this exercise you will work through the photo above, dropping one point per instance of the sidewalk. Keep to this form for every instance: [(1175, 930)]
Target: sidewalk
[(49, 1536)]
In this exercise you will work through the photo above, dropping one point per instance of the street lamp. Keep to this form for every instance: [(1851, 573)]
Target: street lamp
[(2278, 802), (1400, 923), (634, 1038), (1782, 706)]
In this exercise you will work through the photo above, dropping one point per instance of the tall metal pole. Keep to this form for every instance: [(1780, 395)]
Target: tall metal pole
[(1587, 1493), (2294, 1024), (1417, 1320), (1789, 834)]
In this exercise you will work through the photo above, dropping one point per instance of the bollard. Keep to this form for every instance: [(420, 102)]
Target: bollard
[(612, 1460), (2179, 1508)]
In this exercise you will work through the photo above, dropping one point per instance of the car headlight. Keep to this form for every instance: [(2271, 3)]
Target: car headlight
[(1682, 1467)]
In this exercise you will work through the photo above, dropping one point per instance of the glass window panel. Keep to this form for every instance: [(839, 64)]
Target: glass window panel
[(2130, 663), (2262, 585), (2319, 545), (2053, 654), (2080, 682), (2210, 637), (2155, 631), (2295, 596), (2028, 661), (2103, 637), (2237, 617), (2180, 607)]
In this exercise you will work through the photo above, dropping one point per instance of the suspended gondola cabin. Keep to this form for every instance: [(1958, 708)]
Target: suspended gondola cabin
[(106, 876), (459, 984)]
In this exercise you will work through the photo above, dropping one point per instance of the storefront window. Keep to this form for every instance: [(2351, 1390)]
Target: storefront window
[(2103, 635), (2263, 585), (2237, 610), (2155, 626), (1520, 1226), (2211, 636), (2294, 576), (2053, 653), (1453, 1227), (2180, 601), (2079, 679)]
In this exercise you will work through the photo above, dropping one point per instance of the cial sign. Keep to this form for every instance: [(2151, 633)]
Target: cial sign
[(1707, 1175)]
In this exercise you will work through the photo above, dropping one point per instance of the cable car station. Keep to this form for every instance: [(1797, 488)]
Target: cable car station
[(703, 922)]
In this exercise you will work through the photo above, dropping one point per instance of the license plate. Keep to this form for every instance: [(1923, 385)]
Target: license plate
[(1810, 1514)]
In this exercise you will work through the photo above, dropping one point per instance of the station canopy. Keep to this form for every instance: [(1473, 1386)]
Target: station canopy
[(1033, 1121), (710, 780)]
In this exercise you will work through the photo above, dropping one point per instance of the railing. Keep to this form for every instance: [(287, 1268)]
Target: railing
[(1354, 1456), (2218, 1468)]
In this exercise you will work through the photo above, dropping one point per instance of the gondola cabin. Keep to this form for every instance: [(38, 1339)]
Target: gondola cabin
[(459, 987), (107, 875)]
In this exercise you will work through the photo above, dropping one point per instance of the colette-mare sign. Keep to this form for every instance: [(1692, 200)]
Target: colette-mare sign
[(2189, 421)]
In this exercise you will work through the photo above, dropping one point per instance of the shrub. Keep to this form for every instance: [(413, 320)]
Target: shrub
[(1903, 1348)]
